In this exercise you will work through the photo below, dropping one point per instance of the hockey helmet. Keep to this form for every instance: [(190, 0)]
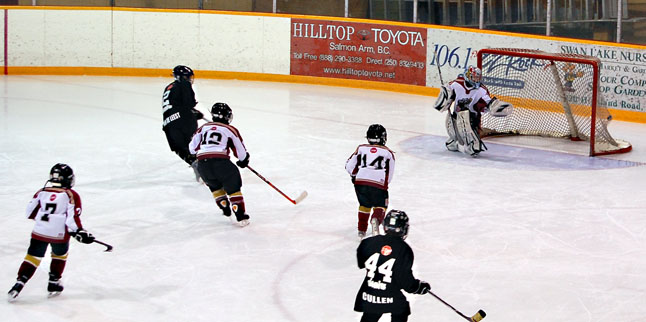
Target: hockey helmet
[(221, 112), (181, 72), (396, 223), (61, 175), (473, 76), (376, 134)]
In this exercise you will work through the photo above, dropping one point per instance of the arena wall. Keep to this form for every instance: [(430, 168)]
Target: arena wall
[(287, 48)]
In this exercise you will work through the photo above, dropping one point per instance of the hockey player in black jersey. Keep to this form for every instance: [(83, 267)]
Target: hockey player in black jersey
[(180, 115), (388, 261)]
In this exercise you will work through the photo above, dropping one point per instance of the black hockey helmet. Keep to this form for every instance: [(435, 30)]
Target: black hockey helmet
[(473, 76), (61, 175), (376, 134), (396, 223), (181, 72), (221, 112)]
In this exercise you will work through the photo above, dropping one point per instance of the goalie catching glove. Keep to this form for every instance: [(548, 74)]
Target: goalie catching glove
[(499, 108), (83, 236), (444, 99)]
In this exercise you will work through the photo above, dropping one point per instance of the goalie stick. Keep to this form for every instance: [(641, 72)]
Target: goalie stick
[(108, 247), (294, 201), (475, 318)]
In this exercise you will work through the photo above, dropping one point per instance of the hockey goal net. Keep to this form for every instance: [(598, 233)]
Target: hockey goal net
[(554, 95)]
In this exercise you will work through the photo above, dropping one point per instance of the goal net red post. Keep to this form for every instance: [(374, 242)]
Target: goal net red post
[(554, 95)]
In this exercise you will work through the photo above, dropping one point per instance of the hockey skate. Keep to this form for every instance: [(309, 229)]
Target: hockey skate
[(374, 222), (452, 145), (361, 234), (14, 291), (55, 287), (243, 220), (224, 206)]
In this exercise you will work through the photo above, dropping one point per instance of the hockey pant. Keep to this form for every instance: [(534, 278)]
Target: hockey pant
[(462, 128), (35, 254), (374, 317), (178, 140), (370, 199)]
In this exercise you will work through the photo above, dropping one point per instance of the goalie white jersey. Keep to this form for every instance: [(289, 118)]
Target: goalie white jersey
[(56, 212), (214, 139), (372, 165), (475, 99)]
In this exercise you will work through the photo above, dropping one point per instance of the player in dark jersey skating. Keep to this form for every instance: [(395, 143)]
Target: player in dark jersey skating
[(179, 114), (388, 261)]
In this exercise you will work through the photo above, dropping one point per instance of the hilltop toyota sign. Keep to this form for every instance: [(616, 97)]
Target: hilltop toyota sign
[(362, 51)]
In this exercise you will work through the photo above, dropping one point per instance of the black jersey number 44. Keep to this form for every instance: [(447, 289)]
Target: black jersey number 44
[(388, 261)]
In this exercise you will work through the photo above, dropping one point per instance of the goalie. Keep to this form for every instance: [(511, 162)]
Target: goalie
[(471, 100)]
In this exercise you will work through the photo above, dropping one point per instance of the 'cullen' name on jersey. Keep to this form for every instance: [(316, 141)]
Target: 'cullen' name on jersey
[(376, 299)]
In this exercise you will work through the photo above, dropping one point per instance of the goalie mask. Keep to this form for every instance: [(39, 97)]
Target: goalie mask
[(377, 134), (181, 72), (61, 175), (473, 76), (396, 223), (221, 112)]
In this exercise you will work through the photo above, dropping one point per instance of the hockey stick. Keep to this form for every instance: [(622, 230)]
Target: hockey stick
[(475, 318), (294, 201), (108, 246), (439, 71)]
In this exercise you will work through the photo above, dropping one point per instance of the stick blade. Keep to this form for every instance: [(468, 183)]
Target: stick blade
[(300, 198), (478, 316)]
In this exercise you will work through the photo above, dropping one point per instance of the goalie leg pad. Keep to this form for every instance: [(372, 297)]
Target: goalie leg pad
[(468, 137), (452, 141), (444, 99)]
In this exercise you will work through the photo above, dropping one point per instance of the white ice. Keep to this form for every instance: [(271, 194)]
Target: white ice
[(524, 234)]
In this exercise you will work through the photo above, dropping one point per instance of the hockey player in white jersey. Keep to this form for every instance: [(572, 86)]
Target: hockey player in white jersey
[(56, 211), (471, 100), (372, 167), (212, 143)]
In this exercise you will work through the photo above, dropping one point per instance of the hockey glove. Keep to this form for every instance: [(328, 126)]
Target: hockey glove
[(423, 288), (83, 236), (243, 163), (198, 114), (353, 179)]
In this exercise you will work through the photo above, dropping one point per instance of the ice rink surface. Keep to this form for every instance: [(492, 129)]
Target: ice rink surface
[(525, 234)]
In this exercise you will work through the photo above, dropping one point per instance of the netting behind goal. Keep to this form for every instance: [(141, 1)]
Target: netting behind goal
[(554, 95)]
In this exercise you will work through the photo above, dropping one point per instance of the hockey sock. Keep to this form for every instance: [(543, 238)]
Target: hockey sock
[(58, 265), (237, 205), (222, 201), (28, 268), (379, 213), (364, 215)]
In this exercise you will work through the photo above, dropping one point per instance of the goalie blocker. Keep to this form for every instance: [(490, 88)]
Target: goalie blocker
[(444, 99)]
